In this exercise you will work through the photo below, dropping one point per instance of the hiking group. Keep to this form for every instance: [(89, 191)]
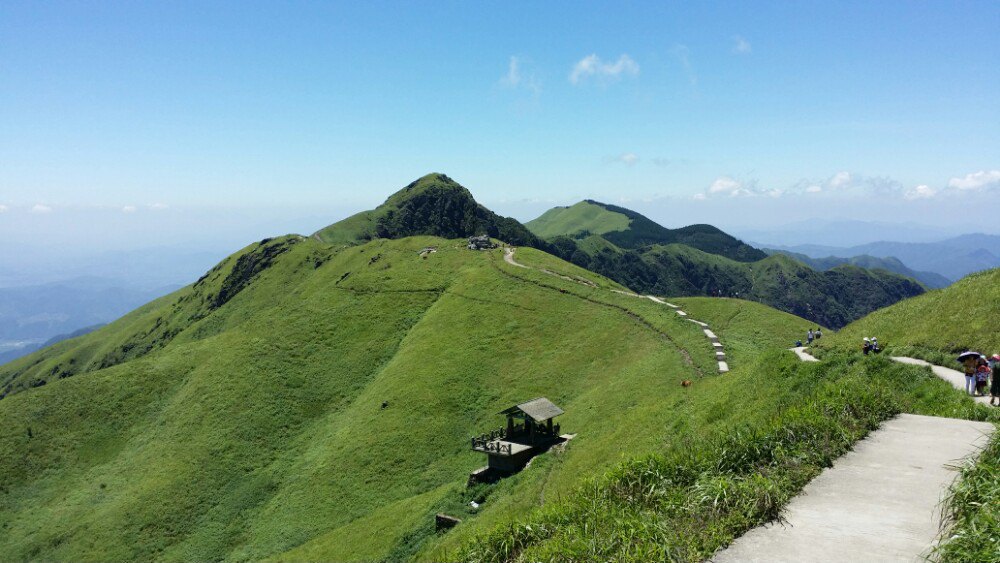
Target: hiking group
[(810, 336), (870, 346), (980, 371)]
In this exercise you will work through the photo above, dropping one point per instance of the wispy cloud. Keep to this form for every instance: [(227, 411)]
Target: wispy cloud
[(741, 46), (3, 208), (159, 206), (593, 66), (976, 181), (626, 158), (41, 208), (519, 75), (683, 56), (129, 209)]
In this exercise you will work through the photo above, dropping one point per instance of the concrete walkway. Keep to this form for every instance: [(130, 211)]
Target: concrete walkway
[(880, 502), (800, 351), (953, 376)]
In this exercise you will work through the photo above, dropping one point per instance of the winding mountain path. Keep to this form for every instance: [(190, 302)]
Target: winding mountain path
[(720, 353), (879, 502), (953, 376)]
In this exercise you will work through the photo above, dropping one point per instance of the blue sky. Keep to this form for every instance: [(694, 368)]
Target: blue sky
[(732, 113)]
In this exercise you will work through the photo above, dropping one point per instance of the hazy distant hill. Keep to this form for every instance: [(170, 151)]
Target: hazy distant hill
[(952, 258), (31, 315), (842, 233), (17, 352), (890, 264)]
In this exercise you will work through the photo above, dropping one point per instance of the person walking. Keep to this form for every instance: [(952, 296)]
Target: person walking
[(969, 366), (809, 336), (817, 334), (995, 384)]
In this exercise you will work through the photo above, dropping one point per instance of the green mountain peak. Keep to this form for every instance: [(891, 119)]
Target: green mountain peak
[(432, 205)]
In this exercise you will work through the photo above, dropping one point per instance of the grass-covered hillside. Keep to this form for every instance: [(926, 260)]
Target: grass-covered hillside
[(313, 401), (746, 327), (739, 448), (937, 325), (627, 229), (830, 298), (432, 205)]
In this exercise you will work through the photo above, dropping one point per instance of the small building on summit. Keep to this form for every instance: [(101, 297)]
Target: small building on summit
[(529, 432)]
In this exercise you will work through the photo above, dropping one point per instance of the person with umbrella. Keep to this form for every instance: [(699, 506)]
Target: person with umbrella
[(969, 361)]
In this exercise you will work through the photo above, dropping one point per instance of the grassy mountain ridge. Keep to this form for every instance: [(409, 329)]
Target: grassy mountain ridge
[(630, 230), (942, 323), (433, 205), (241, 418)]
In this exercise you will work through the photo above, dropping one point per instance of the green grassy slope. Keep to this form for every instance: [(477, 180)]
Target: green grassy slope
[(241, 417), (740, 448), (746, 327), (432, 205), (831, 298), (938, 325), (584, 216), (627, 229)]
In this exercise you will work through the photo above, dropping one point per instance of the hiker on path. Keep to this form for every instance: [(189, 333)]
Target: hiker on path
[(995, 387), (866, 346), (875, 347), (818, 334), (982, 376), (969, 367), (809, 336)]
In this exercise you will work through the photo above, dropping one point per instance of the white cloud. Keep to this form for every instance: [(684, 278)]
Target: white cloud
[(698, 197), (922, 191), (159, 206), (41, 208), (840, 180), (725, 185), (814, 189), (128, 209), (741, 46), (592, 65), (976, 181), (3, 208), (629, 158)]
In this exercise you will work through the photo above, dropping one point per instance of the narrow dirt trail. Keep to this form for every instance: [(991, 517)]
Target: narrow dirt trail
[(720, 353)]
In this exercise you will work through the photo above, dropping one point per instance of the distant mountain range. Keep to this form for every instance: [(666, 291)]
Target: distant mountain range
[(842, 233), (32, 315), (930, 279), (952, 258)]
